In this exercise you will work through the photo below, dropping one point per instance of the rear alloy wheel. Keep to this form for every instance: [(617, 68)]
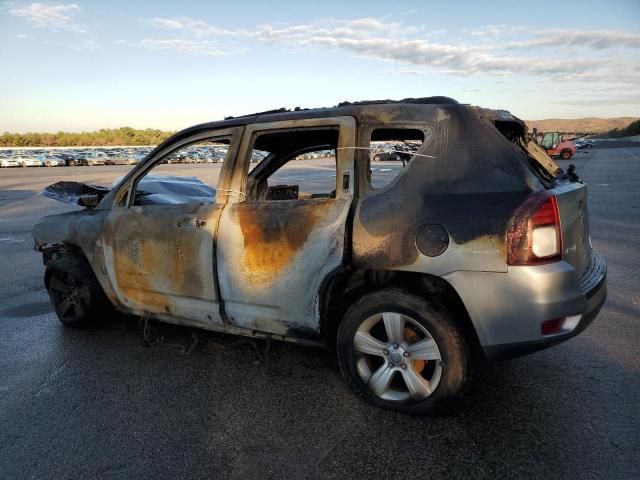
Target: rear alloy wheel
[(403, 352)]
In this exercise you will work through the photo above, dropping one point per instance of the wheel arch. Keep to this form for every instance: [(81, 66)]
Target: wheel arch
[(59, 250), (344, 287)]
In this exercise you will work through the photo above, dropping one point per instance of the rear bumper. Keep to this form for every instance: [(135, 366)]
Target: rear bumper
[(511, 350), (507, 309)]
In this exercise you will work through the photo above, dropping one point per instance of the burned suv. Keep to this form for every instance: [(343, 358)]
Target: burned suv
[(477, 249)]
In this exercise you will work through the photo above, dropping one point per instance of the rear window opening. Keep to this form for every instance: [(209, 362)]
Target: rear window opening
[(282, 157), (390, 150), (545, 168)]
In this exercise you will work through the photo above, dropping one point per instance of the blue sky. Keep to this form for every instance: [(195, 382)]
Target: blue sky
[(84, 65)]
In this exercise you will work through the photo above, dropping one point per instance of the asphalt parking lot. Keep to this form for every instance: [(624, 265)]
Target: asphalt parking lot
[(98, 403)]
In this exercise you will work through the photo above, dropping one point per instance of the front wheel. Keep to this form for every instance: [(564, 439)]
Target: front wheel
[(75, 293), (403, 352), (566, 154)]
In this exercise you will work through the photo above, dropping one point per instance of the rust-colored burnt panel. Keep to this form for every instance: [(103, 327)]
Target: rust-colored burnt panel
[(274, 232), (167, 250), (135, 286)]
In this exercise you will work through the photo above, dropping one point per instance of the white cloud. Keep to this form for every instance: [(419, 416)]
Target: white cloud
[(482, 51), (405, 71), (167, 23), (495, 31), (597, 39), (190, 26), (184, 46), (369, 24), (56, 17)]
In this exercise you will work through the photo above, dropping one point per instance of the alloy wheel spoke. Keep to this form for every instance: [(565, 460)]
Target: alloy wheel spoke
[(82, 291), (424, 350), (366, 343), (81, 300), (65, 306), (381, 379), (418, 386), (59, 287), (394, 326), (80, 308)]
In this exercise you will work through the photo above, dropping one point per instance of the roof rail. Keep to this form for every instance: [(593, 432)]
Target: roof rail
[(438, 100), (420, 101)]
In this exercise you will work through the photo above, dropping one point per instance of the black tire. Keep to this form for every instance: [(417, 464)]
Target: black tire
[(454, 366), (566, 154), (74, 291)]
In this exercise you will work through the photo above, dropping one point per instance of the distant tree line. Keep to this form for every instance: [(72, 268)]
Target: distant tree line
[(630, 130), (102, 137)]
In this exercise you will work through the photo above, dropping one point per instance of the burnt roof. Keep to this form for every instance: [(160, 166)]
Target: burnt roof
[(435, 100), (356, 109)]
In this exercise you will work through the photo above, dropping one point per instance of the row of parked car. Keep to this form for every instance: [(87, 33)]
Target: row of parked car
[(582, 143), (72, 157)]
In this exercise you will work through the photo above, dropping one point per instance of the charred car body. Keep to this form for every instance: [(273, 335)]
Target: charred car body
[(478, 249)]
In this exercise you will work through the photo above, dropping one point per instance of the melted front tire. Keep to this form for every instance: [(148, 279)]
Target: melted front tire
[(403, 352), (74, 291)]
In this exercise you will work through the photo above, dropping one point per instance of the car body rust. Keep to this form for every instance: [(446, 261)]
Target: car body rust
[(273, 242)]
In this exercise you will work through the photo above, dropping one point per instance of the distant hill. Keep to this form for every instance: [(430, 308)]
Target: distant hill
[(580, 125)]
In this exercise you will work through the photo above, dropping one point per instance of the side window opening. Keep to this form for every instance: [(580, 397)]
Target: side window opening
[(296, 164), (188, 174), (390, 150)]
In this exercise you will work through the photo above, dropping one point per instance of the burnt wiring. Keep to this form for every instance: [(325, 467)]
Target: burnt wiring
[(391, 150), (151, 337)]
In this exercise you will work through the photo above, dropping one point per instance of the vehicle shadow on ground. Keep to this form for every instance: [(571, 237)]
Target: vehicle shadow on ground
[(230, 407), (8, 196)]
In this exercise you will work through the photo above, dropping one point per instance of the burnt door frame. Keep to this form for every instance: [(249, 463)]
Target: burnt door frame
[(273, 255), (160, 259)]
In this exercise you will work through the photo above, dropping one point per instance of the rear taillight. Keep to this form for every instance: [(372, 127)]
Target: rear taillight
[(534, 234)]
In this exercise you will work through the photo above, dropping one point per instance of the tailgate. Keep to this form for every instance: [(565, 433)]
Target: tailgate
[(574, 222)]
